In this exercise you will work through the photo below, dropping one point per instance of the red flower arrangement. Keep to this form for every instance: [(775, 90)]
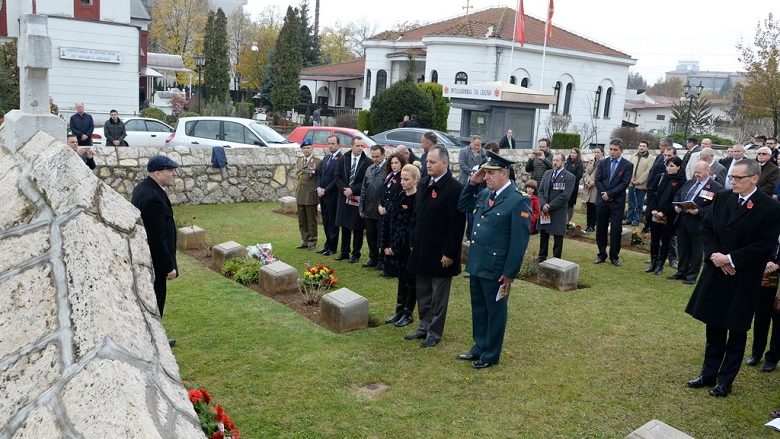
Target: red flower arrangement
[(315, 282), (214, 422)]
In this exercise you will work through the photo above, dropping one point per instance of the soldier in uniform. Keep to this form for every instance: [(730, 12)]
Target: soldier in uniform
[(306, 195), (502, 221)]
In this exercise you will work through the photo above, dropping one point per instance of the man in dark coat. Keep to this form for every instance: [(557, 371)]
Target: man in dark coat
[(371, 196), (738, 236), (693, 146), (156, 212), (82, 125), (701, 189), (737, 154), (427, 140), (507, 142), (435, 245), (329, 195), (555, 190), (612, 178), (770, 174), (498, 245), (349, 180)]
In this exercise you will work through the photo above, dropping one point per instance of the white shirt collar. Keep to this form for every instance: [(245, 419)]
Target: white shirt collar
[(747, 197), (503, 187)]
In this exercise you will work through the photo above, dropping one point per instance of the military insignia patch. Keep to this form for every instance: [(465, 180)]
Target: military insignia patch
[(525, 214)]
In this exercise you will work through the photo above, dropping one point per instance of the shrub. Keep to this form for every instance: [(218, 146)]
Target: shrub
[(530, 266), (245, 110), (249, 272), (565, 140), (346, 121), (364, 121), (217, 108), (154, 113), (400, 99), (631, 137), (231, 266), (716, 140), (441, 105)]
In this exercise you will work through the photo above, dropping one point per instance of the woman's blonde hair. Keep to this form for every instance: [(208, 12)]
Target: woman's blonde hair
[(413, 171)]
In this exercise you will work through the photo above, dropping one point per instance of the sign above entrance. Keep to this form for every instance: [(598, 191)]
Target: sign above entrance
[(473, 92), (93, 55)]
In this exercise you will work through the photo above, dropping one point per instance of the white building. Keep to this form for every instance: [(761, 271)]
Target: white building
[(98, 51), (654, 113)]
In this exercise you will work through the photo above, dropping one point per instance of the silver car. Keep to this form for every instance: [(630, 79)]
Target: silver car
[(411, 137), (141, 132), (229, 132)]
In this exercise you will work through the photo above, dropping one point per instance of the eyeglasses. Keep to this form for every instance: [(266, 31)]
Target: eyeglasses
[(738, 178), (762, 153)]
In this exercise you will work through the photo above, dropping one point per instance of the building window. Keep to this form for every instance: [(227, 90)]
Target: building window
[(338, 97), (368, 84), (557, 94), (434, 76), (607, 103), (597, 103), (512, 80), (524, 83), (86, 2), (349, 98), (381, 81), (567, 98), (660, 117), (461, 78)]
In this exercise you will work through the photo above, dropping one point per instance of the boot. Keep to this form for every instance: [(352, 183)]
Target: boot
[(653, 265), (660, 266)]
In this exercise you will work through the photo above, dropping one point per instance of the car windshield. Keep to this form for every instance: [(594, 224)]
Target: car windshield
[(267, 133)]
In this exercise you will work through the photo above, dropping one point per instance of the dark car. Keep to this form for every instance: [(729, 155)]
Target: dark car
[(411, 137)]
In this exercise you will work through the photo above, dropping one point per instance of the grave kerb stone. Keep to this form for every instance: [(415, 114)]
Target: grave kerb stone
[(344, 310), (278, 278), (225, 251), (190, 237), (559, 274)]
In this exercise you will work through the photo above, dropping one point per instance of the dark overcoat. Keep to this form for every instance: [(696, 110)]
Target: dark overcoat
[(438, 227), (348, 215), (747, 233), (157, 215), (704, 198), (557, 194)]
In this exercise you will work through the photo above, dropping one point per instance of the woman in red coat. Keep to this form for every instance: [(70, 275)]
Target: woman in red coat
[(530, 190)]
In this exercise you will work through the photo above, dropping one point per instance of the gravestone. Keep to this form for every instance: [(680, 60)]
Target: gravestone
[(464, 252), (190, 237), (344, 310), (226, 251), (287, 205), (559, 274), (656, 429), (278, 278), (625, 236)]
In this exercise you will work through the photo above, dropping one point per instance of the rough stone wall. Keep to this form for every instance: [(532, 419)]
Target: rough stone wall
[(82, 350)]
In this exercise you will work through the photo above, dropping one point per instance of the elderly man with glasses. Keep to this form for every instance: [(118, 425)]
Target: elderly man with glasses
[(770, 174)]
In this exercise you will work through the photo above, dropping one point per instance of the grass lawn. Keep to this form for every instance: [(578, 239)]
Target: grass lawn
[(597, 363)]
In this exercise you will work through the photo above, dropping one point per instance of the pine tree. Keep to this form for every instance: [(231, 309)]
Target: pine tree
[(216, 72), (309, 38), (287, 66)]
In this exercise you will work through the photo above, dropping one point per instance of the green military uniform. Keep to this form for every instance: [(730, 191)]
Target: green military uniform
[(497, 247), (307, 199)]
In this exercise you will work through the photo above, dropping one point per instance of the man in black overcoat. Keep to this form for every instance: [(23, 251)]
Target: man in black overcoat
[(435, 245), (738, 236), (612, 178), (349, 179), (329, 195)]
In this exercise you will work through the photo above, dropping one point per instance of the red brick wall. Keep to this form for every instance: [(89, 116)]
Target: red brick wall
[(144, 43), (3, 21), (86, 12)]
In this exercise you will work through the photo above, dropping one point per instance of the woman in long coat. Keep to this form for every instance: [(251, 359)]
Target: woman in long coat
[(663, 222), (589, 188), (392, 186), (574, 165)]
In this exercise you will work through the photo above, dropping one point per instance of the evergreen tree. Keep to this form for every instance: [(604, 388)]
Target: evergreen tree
[(216, 72), (288, 61), (9, 78), (309, 38)]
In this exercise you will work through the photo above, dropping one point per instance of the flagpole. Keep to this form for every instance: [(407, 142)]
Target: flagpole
[(512, 51), (541, 81)]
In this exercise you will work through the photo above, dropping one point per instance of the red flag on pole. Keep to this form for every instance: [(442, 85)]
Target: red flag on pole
[(520, 24), (549, 19)]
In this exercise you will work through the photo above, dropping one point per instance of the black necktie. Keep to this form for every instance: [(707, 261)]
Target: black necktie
[(741, 201), (352, 170)]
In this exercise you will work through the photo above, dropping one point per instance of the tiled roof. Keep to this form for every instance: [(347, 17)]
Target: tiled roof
[(356, 67), (502, 20), (138, 10)]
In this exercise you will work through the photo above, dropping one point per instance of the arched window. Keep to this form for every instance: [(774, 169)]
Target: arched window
[(524, 83), (567, 98), (305, 95), (557, 94), (434, 76), (461, 78), (368, 84), (512, 80), (597, 103), (607, 103), (381, 80)]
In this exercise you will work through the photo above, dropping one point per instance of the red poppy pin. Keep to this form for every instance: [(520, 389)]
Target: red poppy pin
[(620, 173), (434, 194), (393, 180), (674, 183), (491, 203), (749, 204), (404, 206)]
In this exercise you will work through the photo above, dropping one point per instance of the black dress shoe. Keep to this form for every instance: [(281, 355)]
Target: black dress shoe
[(341, 257), (768, 366), (415, 335), (468, 356), (479, 364), (676, 276), (302, 246), (615, 262), (327, 253), (600, 261), (321, 251), (393, 318), (370, 263), (700, 382), (689, 282), (428, 343), (721, 390), (404, 321), (353, 259), (171, 342), (753, 360)]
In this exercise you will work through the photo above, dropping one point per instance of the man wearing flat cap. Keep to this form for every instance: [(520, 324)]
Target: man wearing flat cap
[(502, 222), (156, 212), (306, 168)]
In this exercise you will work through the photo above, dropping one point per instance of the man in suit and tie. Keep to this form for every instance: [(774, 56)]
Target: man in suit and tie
[(612, 178), (306, 195), (498, 245), (435, 245), (349, 181), (329, 195), (738, 236), (427, 140), (770, 174), (370, 198), (693, 146), (737, 154), (555, 190), (700, 190), (694, 156), (507, 142), (717, 171)]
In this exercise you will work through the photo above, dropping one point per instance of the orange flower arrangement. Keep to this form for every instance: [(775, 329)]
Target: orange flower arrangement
[(214, 422)]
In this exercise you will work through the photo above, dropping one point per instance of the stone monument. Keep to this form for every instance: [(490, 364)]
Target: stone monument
[(82, 351)]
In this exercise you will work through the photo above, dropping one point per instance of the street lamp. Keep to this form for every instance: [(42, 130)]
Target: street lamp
[(200, 61), (691, 93)]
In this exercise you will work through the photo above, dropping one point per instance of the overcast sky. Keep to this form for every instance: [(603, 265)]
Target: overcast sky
[(656, 33)]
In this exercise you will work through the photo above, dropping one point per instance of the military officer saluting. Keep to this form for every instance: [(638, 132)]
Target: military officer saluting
[(306, 195), (502, 221)]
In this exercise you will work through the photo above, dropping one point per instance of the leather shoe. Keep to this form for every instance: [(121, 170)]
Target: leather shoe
[(753, 360), (303, 246), (353, 259), (600, 261), (768, 366), (468, 356), (322, 250), (721, 390), (415, 335), (171, 342), (675, 276), (700, 382), (393, 318), (327, 253), (341, 257), (428, 343), (479, 364), (615, 262), (370, 263), (689, 282), (404, 321)]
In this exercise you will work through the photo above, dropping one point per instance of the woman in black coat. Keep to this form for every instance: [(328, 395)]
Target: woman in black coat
[(662, 224), (574, 165), (397, 245), (392, 186)]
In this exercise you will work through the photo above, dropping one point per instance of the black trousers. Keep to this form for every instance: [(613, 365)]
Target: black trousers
[(328, 207), (660, 240), (433, 297), (690, 251), (723, 354), (590, 209), (160, 290), (355, 237), (544, 242), (372, 236), (609, 214), (766, 315), (407, 286)]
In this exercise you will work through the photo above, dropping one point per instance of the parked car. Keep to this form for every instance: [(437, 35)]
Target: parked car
[(319, 135), (411, 137), (141, 132), (230, 132)]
